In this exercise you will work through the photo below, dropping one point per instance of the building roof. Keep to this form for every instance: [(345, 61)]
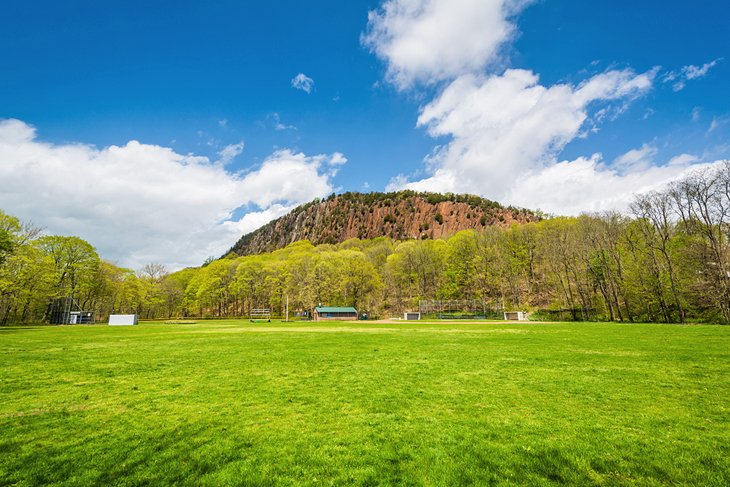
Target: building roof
[(335, 309)]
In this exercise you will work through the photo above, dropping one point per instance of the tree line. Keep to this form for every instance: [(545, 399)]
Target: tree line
[(665, 260)]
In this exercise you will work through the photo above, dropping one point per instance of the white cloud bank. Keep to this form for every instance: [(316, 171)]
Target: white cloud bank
[(423, 41), (589, 185), (506, 131), (142, 203), (504, 127)]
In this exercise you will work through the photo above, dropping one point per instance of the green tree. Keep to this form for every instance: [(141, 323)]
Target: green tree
[(460, 266), (360, 280), (26, 280), (415, 271), (74, 261)]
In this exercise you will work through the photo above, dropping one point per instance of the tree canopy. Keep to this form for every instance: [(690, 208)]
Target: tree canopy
[(668, 260)]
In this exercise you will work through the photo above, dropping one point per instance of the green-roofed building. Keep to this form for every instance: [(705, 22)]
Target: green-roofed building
[(334, 313)]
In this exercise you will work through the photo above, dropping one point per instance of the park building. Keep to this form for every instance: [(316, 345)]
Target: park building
[(322, 313)]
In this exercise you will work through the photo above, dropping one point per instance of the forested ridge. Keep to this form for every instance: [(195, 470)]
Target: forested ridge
[(398, 215), (666, 260)]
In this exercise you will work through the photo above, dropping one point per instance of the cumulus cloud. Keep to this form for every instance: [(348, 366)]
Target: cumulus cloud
[(588, 185), (502, 126), (286, 176), (302, 82), (253, 220), (141, 203), (337, 159), (504, 131), (423, 41)]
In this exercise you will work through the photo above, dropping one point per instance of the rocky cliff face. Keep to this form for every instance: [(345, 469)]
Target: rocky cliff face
[(401, 215)]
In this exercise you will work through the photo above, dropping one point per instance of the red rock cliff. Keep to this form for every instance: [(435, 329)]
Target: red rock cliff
[(401, 215)]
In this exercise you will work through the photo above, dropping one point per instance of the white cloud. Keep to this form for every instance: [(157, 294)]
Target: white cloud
[(141, 203), (683, 160), (337, 159), (255, 219), (302, 82), (505, 131), (424, 41), (689, 72), (399, 182), (222, 123), (635, 159), (670, 76), (696, 72), (503, 126), (230, 152), (278, 125), (587, 185), (286, 177)]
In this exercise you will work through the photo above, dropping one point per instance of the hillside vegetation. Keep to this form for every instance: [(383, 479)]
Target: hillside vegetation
[(669, 261), (399, 215)]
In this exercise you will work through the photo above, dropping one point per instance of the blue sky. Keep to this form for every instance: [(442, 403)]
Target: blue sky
[(107, 72), (552, 104)]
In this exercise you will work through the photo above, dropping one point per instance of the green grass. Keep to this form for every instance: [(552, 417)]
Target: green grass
[(235, 403)]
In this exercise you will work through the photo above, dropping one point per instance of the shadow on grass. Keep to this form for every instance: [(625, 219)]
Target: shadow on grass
[(16, 328), (170, 456)]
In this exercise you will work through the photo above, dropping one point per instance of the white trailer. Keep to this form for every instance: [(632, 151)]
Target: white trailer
[(122, 320)]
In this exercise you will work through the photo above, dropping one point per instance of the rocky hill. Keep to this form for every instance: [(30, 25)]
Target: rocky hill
[(401, 215)]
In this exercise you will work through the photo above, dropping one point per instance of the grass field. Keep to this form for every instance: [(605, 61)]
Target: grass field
[(234, 403)]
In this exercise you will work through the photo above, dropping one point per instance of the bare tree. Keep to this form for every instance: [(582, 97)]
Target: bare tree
[(656, 210), (703, 203), (153, 272)]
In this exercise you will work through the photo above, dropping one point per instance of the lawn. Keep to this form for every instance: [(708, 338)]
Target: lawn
[(235, 403)]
